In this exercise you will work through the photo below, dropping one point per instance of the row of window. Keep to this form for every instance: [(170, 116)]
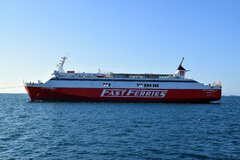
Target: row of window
[(138, 85), (147, 85)]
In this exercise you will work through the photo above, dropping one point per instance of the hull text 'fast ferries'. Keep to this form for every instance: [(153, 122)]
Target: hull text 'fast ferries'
[(71, 86)]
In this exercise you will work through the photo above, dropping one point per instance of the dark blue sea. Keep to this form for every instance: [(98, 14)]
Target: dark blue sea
[(131, 131)]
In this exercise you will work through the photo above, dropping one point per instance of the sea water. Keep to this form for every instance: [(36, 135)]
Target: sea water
[(105, 131)]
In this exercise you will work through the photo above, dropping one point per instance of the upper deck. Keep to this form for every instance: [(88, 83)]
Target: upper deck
[(145, 75), (61, 74)]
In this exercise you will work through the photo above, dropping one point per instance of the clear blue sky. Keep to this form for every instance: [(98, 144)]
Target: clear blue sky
[(120, 36)]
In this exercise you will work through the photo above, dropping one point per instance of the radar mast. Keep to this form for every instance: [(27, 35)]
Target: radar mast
[(61, 64)]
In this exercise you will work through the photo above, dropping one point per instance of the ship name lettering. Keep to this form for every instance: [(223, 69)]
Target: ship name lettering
[(113, 92), (133, 93), (147, 93)]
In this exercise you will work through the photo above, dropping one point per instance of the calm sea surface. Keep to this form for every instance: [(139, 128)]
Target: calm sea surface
[(118, 130)]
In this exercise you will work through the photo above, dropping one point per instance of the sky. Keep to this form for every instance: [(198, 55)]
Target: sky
[(133, 36)]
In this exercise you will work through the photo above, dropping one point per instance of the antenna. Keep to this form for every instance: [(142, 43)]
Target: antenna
[(181, 61), (67, 54)]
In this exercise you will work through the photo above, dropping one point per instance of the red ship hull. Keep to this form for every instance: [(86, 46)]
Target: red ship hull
[(123, 95)]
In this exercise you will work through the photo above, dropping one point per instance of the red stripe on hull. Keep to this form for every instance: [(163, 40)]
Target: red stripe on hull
[(133, 95)]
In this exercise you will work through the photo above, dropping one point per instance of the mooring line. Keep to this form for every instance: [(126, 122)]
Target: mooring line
[(11, 87)]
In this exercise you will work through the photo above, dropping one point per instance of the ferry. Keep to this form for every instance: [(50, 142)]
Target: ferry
[(122, 87)]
